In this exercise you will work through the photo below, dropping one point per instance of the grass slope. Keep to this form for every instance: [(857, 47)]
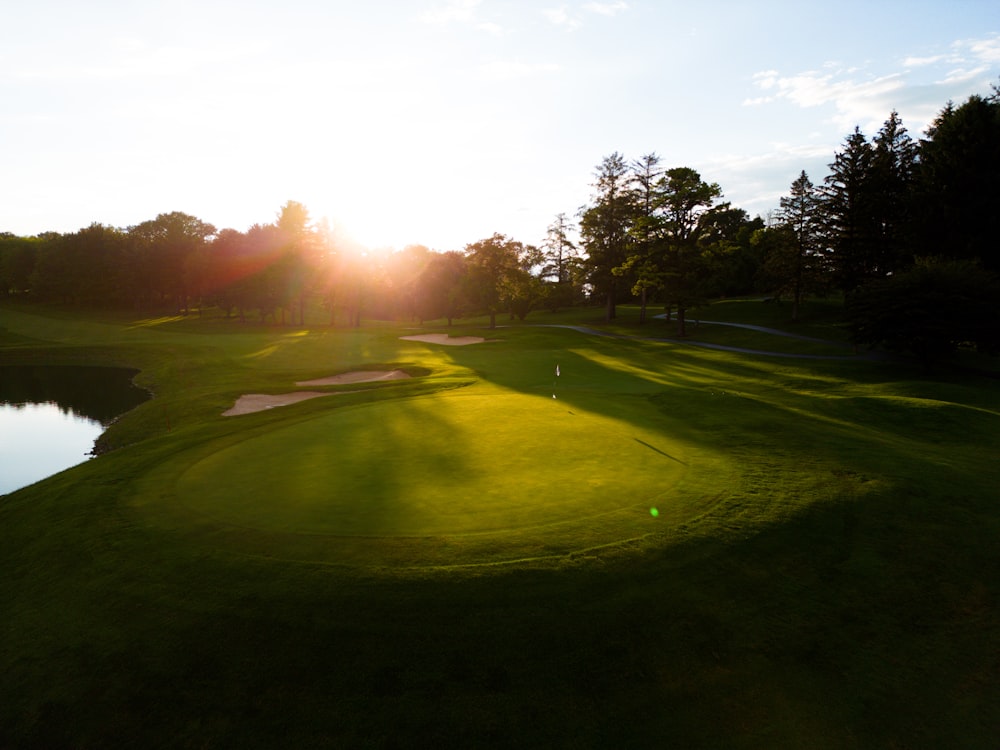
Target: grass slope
[(460, 558)]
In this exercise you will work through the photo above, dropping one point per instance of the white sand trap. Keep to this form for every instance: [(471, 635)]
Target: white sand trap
[(252, 402), (444, 338), (362, 376)]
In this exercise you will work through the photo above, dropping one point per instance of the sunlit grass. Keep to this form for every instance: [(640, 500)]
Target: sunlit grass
[(152, 322), (462, 559), (413, 469)]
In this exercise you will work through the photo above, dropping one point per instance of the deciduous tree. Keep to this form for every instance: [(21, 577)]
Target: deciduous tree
[(929, 310), (731, 258), (84, 266), (441, 290), (493, 264), (18, 256), (686, 200), (523, 290), (403, 272), (159, 249)]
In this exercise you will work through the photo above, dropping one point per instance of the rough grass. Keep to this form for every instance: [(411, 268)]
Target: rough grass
[(405, 565)]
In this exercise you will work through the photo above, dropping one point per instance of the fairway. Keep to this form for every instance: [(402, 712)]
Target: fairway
[(685, 544), (447, 465)]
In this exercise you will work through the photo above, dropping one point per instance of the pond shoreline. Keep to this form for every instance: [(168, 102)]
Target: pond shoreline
[(76, 396)]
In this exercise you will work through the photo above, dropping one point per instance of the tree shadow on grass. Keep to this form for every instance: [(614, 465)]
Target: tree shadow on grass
[(861, 613), (808, 409), (856, 622)]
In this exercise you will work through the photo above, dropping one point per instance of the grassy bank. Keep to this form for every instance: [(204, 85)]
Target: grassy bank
[(685, 547)]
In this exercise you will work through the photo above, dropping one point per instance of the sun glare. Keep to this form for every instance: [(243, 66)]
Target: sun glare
[(395, 211)]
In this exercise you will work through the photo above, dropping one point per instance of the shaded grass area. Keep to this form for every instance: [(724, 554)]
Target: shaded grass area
[(818, 317), (820, 330), (761, 341), (823, 574)]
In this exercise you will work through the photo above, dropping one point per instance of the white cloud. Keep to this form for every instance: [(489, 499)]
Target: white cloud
[(863, 96), (564, 16), (491, 28), (859, 97), (607, 9), (506, 70), (561, 17), (779, 155), (919, 62), (961, 75), (766, 79), (984, 50), (855, 101), (558, 16), (461, 11), (964, 52)]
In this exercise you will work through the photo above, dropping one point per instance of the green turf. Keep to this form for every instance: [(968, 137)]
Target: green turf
[(416, 468), (460, 559)]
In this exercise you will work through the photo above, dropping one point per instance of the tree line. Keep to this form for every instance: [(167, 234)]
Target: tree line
[(273, 272), (902, 228)]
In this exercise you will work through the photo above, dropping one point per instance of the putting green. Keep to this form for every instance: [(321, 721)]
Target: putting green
[(452, 464)]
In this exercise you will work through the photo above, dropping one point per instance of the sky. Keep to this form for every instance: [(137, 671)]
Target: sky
[(442, 122)]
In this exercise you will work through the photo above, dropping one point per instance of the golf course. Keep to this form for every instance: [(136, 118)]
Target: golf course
[(561, 533)]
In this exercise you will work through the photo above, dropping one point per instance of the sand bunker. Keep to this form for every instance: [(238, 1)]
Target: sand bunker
[(251, 402), (444, 338)]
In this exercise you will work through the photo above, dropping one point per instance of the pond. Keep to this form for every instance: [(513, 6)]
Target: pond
[(50, 416)]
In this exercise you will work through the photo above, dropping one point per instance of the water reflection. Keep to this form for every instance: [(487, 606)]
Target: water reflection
[(51, 416), (38, 440)]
